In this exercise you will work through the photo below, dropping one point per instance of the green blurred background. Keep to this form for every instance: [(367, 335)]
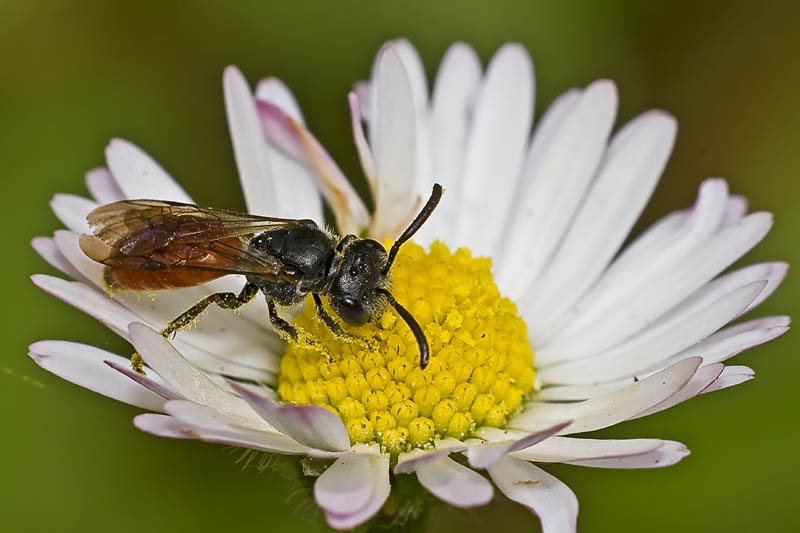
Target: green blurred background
[(74, 74)]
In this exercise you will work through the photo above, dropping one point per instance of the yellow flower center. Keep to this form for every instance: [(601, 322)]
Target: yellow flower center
[(481, 363)]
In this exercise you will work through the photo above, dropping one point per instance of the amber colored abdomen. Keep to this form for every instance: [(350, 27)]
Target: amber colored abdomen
[(156, 280)]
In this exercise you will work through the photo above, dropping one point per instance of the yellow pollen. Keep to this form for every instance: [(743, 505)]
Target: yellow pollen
[(481, 363)]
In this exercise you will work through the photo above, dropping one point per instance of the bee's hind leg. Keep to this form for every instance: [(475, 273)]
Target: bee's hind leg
[(334, 326), (225, 300)]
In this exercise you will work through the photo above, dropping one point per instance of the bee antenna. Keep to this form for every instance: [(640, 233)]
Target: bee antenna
[(416, 329), (417, 223)]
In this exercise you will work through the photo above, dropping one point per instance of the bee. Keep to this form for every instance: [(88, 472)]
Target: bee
[(157, 245)]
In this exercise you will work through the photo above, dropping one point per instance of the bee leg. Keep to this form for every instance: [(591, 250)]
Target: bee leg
[(291, 333), (281, 327), (225, 300), (334, 326)]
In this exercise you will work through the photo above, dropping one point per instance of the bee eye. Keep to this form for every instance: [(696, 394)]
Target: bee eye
[(353, 312)]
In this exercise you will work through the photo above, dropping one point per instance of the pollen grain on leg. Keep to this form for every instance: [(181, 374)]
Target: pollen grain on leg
[(481, 364)]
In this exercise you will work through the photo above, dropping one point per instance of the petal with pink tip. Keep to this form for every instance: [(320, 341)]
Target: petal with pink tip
[(485, 455), (296, 193), (47, 249), (311, 425), (705, 376), (89, 301), (364, 151), (151, 381), (291, 137), (84, 365), (611, 408), (417, 458), (565, 449), (274, 91), (731, 376), (188, 381), (668, 454)]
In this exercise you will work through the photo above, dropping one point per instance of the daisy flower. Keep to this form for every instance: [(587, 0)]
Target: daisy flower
[(541, 323)]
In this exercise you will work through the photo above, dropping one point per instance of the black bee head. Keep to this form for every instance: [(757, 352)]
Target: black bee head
[(353, 293)]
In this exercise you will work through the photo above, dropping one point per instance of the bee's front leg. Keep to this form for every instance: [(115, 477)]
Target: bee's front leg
[(334, 326)]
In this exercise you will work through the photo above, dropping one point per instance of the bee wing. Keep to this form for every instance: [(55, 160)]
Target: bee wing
[(136, 227), (224, 256)]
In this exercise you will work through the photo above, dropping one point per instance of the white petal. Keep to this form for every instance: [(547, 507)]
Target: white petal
[(731, 376), (485, 455), (547, 128), (630, 170), (611, 408), (552, 190), (87, 300), (346, 486), (774, 273), (693, 320), (67, 243), (667, 455), (415, 70), (656, 290), (455, 484), (71, 210), (249, 145), (735, 210), (731, 341), (162, 426), (139, 176), (457, 81), (543, 494), (187, 380), (47, 249), (669, 239), (563, 449), (394, 131), (151, 381), (705, 376), (571, 393), (311, 425), (380, 491), (174, 427), (83, 365), (209, 425), (293, 139), (102, 186), (495, 148)]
